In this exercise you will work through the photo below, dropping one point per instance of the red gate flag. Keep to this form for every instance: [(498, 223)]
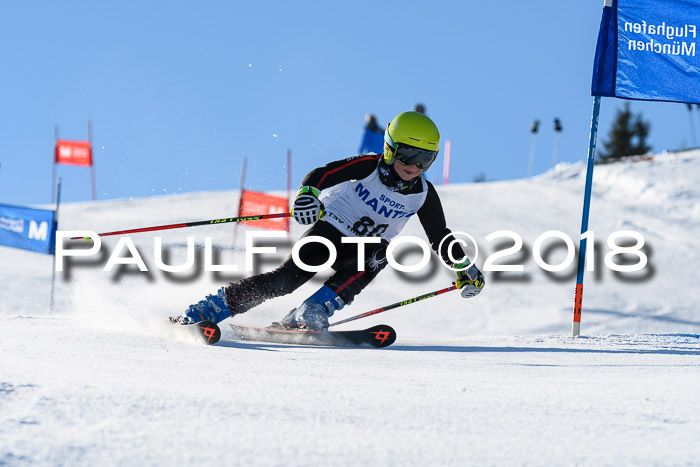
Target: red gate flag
[(256, 203), (73, 153)]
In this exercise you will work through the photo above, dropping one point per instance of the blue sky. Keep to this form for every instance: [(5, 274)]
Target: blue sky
[(180, 92)]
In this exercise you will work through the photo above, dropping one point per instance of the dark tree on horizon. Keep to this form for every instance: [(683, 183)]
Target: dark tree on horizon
[(628, 135)]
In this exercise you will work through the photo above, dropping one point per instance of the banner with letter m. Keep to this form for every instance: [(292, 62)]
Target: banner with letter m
[(649, 50), (28, 228), (73, 153)]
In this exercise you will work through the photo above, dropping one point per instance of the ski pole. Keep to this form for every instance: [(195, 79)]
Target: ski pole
[(193, 224), (397, 304)]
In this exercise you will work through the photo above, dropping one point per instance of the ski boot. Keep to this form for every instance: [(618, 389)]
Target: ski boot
[(313, 314), (213, 308)]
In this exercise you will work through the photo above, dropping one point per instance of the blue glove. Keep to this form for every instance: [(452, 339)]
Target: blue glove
[(469, 279)]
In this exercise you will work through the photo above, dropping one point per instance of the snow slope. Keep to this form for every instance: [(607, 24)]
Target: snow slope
[(491, 380)]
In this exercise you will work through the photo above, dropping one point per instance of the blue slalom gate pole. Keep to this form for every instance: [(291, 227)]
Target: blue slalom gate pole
[(578, 297)]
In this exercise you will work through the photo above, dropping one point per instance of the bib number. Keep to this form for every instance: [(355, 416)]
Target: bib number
[(366, 227)]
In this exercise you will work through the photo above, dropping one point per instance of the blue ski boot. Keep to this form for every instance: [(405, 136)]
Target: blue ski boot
[(313, 314), (213, 308)]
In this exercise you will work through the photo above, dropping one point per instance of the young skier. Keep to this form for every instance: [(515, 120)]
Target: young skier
[(364, 196)]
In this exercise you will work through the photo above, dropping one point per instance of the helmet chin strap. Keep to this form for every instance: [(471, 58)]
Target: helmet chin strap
[(391, 179)]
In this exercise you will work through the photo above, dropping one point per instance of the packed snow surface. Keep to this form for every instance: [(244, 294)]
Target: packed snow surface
[(492, 380)]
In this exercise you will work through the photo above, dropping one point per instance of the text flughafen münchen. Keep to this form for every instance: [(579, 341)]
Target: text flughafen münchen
[(682, 38)]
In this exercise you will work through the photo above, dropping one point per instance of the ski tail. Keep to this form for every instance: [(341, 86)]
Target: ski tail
[(205, 332)]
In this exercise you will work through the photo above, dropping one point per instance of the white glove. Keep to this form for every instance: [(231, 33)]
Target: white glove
[(307, 208)]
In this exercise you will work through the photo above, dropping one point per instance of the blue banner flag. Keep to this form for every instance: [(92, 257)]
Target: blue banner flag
[(27, 228), (649, 50)]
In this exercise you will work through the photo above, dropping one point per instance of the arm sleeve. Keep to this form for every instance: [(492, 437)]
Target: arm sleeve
[(333, 173), (432, 218)]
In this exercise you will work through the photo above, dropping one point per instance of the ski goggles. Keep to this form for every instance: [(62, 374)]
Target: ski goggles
[(408, 155)]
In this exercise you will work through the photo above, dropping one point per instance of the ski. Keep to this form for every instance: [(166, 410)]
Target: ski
[(206, 332), (376, 336)]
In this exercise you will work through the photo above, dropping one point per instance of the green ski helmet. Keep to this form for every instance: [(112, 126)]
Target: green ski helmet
[(411, 138)]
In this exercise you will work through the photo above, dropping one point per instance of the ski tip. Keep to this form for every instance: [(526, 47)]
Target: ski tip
[(382, 335), (209, 332)]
